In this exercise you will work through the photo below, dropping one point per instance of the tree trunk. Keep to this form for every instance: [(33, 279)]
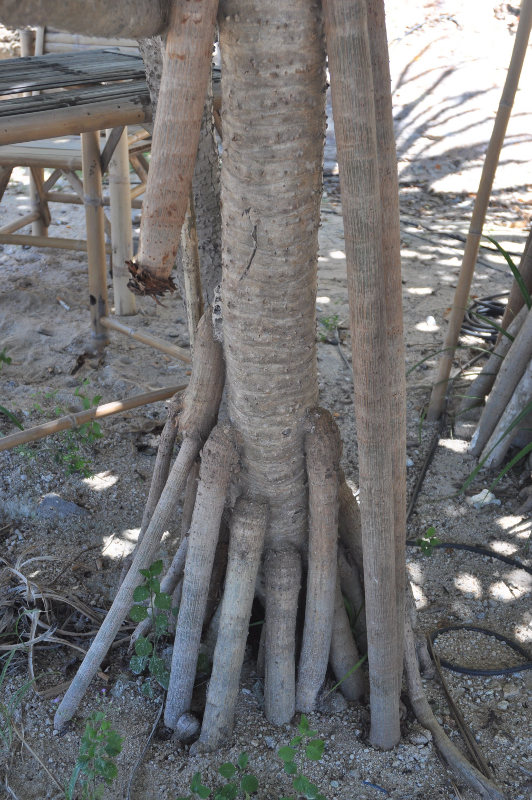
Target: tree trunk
[(273, 466)]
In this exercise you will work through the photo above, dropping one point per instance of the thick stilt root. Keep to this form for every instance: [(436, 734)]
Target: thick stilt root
[(124, 597), (199, 411), (248, 528), (344, 653), (160, 475), (353, 591), (322, 450), (283, 581), (475, 779), (219, 463)]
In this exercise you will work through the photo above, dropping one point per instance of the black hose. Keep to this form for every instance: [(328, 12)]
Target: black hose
[(485, 672)]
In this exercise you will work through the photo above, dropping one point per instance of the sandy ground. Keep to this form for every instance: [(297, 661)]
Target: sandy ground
[(448, 66)]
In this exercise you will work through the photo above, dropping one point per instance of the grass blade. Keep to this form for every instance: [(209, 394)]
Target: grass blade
[(11, 416), (517, 275)]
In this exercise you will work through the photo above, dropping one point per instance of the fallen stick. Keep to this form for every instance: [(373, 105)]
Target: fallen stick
[(81, 417)]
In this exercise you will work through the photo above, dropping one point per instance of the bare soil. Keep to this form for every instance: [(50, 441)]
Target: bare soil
[(448, 66)]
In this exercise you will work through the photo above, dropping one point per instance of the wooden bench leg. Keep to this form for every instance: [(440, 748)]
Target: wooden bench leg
[(39, 202), (121, 229), (5, 174), (92, 197)]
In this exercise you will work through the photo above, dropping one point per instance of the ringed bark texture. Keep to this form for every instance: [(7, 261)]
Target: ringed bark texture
[(273, 120), (186, 71), (356, 136)]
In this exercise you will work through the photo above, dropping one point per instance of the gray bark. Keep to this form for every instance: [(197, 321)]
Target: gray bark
[(123, 18), (205, 182)]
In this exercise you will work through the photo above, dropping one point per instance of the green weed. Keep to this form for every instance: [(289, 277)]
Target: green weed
[(69, 448), (240, 783), (159, 608), (428, 541), (95, 766), (329, 326)]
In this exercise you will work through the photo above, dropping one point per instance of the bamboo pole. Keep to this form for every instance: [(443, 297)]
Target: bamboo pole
[(46, 241), (121, 227), (146, 338), (40, 223), (92, 190), (74, 120), (21, 222), (81, 417), (463, 287)]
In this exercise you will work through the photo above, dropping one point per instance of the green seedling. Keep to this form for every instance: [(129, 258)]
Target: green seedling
[(305, 744), (238, 782), (95, 766), (68, 448), (329, 326), (428, 541), (5, 359), (159, 607)]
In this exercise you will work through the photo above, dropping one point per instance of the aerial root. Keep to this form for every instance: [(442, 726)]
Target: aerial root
[(322, 450), (124, 598), (344, 654), (198, 413), (218, 465), (510, 373), (160, 474), (470, 774), (482, 385), (349, 525), (353, 592), (248, 528), (283, 581)]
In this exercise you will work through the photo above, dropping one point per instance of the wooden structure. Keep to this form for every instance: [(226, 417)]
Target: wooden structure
[(82, 93), (54, 111)]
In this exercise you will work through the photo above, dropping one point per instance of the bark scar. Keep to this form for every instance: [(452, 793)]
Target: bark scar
[(254, 237), (144, 283)]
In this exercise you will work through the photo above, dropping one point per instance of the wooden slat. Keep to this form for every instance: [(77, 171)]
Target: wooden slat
[(77, 39), (47, 241), (53, 71), (146, 338), (78, 119), (35, 104), (21, 222)]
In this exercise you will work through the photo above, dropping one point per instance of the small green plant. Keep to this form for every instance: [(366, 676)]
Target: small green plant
[(428, 541), (238, 782), (70, 447), (329, 326), (95, 766), (304, 742), (146, 656), (5, 359)]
